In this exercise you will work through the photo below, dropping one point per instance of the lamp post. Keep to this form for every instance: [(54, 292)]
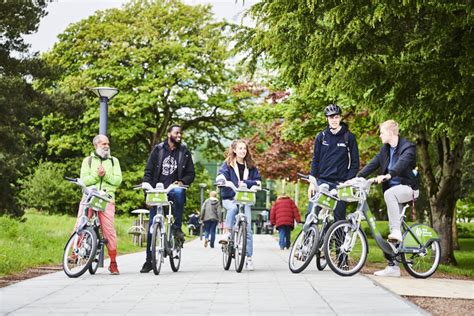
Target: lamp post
[(105, 94)]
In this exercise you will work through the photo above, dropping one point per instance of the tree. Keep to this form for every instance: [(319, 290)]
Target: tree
[(411, 61), (169, 62), (20, 104)]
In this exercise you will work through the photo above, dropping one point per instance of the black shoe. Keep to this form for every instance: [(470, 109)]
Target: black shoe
[(147, 267), (179, 235)]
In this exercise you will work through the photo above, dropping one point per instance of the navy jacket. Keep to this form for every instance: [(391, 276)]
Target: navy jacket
[(330, 156), (229, 174), (153, 166), (406, 153)]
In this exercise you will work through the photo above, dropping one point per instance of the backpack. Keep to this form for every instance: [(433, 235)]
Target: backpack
[(89, 161), (346, 141)]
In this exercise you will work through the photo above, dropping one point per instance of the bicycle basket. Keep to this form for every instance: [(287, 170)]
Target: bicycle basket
[(326, 201), (156, 198), (98, 204), (245, 197), (348, 194)]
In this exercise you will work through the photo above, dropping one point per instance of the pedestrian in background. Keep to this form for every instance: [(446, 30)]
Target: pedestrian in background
[(211, 214), (283, 215)]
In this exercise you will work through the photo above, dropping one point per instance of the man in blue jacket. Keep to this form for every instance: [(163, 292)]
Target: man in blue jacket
[(335, 156), (395, 164), (169, 162)]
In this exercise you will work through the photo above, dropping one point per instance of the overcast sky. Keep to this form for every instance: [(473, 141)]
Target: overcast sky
[(63, 12)]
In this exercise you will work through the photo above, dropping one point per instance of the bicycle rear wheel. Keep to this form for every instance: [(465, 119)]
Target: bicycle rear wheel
[(422, 265), (303, 249), (240, 246), (95, 262), (345, 249), (79, 252), (175, 255), (156, 248), (226, 255)]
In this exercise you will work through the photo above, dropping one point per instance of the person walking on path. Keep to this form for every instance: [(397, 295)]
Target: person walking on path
[(239, 168), (283, 215), (103, 171), (396, 163), (211, 214), (169, 162), (335, 156)]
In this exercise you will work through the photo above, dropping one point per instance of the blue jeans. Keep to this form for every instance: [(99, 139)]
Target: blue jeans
[(232, 210), (284, 234), (210, 229), (339, 212), (178, 197)]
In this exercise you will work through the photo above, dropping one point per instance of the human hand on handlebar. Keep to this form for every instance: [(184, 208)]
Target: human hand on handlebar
[(383, 178)]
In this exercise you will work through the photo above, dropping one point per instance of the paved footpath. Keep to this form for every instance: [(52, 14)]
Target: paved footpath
[(202, 287)]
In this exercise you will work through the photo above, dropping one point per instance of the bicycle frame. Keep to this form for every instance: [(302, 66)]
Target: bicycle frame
[(413, 241), (94, 202), (158, 197)]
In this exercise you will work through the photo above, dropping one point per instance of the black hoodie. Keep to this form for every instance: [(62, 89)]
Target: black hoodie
[(331, 157)]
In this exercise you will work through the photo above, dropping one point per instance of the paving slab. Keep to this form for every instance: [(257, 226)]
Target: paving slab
[(202, 287), (432, 287)]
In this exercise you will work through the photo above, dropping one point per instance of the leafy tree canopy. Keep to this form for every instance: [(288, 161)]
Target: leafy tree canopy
[(168, 61)]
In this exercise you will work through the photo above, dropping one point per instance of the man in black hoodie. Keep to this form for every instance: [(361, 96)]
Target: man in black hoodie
[(169, 162), (335, 156), (395, 163)]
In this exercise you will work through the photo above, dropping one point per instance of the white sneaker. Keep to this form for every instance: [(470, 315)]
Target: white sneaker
[(225, 239), (389, 271), (249, 264), (395, 235)]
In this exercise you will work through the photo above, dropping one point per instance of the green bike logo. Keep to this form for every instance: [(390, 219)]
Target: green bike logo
[(423, 232)]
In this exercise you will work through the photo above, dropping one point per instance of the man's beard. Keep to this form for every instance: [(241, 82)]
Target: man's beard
[(103, 153), (174, 140)]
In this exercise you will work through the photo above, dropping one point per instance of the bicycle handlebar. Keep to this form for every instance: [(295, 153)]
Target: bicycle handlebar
[(159, 187), (89, 190)]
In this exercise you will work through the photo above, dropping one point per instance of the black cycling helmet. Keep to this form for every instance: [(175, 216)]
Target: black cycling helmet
[(332, 109)]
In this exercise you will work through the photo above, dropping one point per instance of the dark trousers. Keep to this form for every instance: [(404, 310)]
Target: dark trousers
[(210, 229), (284, 234), (339, 211), (178, 197)]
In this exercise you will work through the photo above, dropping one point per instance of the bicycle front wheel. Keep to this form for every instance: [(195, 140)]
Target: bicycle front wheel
[(345, 249), (175, 255), (303, 249), (422, 265), (240, 246), (79, 252), (321, 262), (156, 248)]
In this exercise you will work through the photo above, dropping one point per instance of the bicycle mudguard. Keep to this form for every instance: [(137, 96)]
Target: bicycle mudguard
[(424, 233)]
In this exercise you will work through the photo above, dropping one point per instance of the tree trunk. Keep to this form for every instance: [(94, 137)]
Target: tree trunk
[(442, 223), (443, 179), (455, 232)]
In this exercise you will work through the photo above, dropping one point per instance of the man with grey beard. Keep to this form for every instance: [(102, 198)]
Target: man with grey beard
[(103, 171)]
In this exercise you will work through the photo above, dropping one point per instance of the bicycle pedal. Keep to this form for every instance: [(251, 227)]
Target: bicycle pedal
[(394, 241)]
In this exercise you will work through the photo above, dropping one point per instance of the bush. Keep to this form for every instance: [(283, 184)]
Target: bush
[(47, 191), (465, 230)]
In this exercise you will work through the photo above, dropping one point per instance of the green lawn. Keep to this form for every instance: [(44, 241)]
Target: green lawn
[(464, 256), (40, 239)]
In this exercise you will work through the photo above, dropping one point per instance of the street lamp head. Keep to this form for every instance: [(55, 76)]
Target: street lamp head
[(202, 185), (105, 92)]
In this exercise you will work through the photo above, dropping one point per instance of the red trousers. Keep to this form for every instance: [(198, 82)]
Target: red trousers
[(106, 220)]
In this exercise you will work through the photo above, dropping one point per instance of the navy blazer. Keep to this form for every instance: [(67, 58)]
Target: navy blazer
[(403, 168), (229, 173)]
